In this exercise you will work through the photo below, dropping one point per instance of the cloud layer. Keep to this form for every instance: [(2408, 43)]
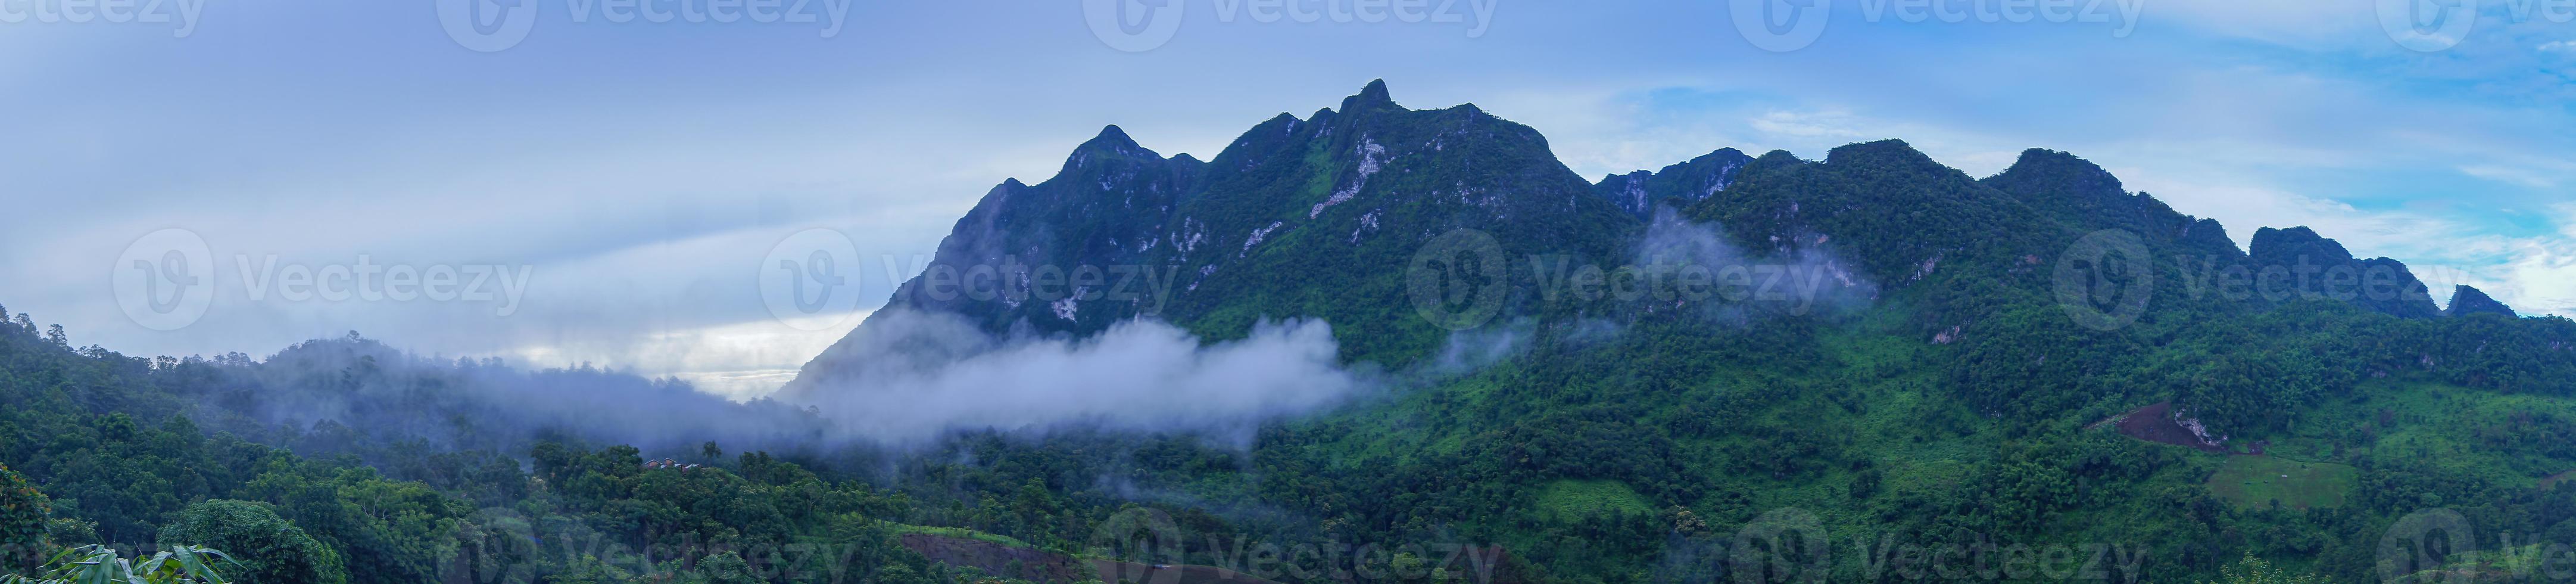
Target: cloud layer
[(908, 376)]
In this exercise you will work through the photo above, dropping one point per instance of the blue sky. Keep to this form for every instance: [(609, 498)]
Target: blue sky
[(642, 172)]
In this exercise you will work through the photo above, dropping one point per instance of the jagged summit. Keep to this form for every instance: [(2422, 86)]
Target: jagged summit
[(1374, 96), (1317, 217), (2467, 300), (1334, 200), (1888, 150), (2286, 245), (1111, 137), (2073, 173), (2078, 192), (2298, 259), (1778, 157), (1112, 142), (1680, 184)]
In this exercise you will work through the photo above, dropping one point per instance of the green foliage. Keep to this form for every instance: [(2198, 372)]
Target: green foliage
[(1572, 498), (1616, 442), (956, 533), (25, 517), (96, 564), (2253, 570), (725, 568), (271, 550)]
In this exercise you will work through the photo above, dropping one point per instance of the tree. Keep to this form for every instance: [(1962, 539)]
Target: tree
[(726, 568), (23, 516), (711, 451), (273, 550), (588, 570), (2253, 570), (99, 564)]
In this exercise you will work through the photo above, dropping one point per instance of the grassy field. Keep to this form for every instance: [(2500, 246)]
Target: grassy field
[(2257, 481), (958, 533)]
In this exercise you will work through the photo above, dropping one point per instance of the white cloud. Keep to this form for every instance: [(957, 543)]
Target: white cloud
[(2561, 47), (2535, 275), (908, 376), (1811, 125), (739, 361), (2520, 176), (2543, 275)]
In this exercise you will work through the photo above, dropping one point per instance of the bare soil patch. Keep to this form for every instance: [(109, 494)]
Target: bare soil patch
[(2156, 423)]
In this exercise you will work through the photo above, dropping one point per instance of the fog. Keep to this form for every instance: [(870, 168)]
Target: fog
[(908, 380), (909, 376), (1800, 275), (355, 395)]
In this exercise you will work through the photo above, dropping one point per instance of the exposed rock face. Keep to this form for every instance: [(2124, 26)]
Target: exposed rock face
[(2296, 262), (1312, 217), (1678, 185), (2467, 300), (2082, 194), (1318, 217)]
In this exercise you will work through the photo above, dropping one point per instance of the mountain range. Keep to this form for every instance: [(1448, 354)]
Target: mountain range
[(1317, 217), (2040, 355), (1377, 343)]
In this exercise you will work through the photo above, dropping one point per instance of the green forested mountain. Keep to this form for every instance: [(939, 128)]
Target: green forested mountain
[(2033, 376), (1333, 201)]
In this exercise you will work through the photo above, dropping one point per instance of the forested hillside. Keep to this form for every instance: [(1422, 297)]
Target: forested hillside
[(2033, 376)]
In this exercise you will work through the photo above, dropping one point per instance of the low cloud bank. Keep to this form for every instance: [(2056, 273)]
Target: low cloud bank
[(357, 395), (1801, 275), (909, 376)]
